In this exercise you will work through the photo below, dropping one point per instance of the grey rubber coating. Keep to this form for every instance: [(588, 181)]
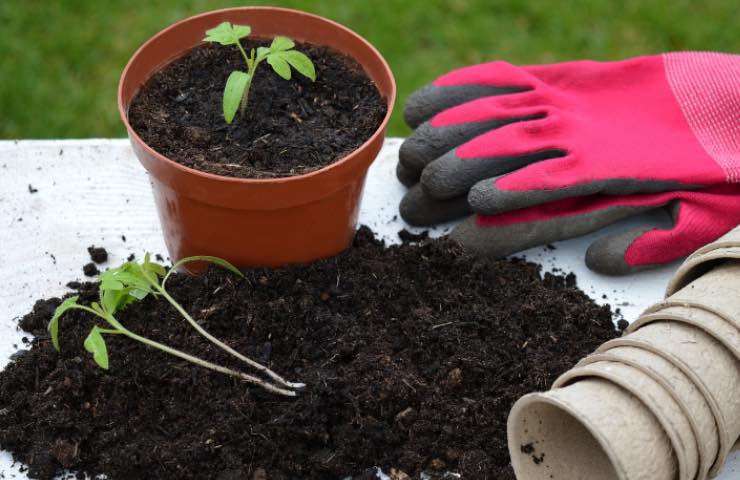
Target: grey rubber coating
[(606, 255), (422, 211), (429, 100), (428, 143), (450, 176), (499, 241), (486, 198), (407, 177)]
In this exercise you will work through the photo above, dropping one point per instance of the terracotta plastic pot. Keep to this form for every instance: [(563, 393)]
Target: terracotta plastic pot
[(257, 221)]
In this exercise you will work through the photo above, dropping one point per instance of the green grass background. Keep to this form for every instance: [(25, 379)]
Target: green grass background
[(60, 59)]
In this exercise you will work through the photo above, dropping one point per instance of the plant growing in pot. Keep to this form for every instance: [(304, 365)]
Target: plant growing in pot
[(273, 183)]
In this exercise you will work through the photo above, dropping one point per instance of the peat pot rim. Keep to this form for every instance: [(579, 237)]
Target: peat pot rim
[(257, 193)]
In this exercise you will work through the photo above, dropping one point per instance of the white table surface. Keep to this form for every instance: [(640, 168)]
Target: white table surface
[(96, 192)]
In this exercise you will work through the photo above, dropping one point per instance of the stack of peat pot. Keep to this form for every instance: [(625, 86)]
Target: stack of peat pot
[(660, 403)]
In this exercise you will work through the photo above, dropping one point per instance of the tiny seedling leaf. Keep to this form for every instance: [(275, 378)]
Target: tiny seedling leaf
[(207, 258), (300, 62), (233, 92), (155, 268), (262, 53), (69, 303), (139, 294), (280, 44), (95, 344), (227, 34), (278, 63)]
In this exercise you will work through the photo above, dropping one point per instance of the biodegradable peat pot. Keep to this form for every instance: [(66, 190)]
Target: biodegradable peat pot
[(591, 429), (709, 364), (248, 221), (656, 398), (721, 329), (684, 392)]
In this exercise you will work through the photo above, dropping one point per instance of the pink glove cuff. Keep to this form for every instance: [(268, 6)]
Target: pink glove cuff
[(707, 88)]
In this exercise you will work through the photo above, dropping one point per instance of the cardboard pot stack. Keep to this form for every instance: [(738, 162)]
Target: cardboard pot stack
[(660, 403)]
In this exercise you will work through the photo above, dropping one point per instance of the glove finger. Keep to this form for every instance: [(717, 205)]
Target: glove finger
[(406, 176), (698, 219), (607, 254), (512, 232), (552, 180), (429, 142), (450, 176), (479, 118), (420, 210), (430, 100)]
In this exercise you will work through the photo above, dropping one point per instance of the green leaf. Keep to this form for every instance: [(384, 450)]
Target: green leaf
[(233, 92), (109, 282), (139, 294), (227, 34), (207, 258), (300, 62), (280, 44), (262, 53), (95, 344), (69, 303), (279, 64), (155, 268)]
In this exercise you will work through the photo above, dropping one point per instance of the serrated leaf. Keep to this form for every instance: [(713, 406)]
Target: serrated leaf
[(155, 268), (109, 282), (139, 294), (132, 280), (110, 300), (280, 44), (95, 344), (69, 303), (262, 53), (279, 65), (227, 34), (233, 92), (301, 63)]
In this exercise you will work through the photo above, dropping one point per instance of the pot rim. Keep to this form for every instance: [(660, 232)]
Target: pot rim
[(380, 131)]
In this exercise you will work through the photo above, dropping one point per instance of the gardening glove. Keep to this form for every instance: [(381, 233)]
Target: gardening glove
[(699, 217), (506, 138)]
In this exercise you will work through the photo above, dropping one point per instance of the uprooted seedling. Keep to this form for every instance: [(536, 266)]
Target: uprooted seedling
[(279, 55), (134, 281)]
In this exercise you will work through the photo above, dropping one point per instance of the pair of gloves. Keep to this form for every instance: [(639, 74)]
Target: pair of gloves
[(548, 152)]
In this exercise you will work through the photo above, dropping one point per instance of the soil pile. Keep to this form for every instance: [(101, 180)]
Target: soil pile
[(413, 356)]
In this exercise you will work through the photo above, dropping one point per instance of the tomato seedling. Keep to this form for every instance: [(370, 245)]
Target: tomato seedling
[(279, 55), (134, 281)]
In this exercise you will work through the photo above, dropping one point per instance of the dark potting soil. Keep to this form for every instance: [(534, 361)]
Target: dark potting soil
[(97, 254), (291, 127), (413, 356)]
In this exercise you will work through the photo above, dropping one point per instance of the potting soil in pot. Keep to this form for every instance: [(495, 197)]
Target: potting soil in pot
[(412, 354), (290, 127)]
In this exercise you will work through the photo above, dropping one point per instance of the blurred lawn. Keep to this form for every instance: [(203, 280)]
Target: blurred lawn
[(61, 59)]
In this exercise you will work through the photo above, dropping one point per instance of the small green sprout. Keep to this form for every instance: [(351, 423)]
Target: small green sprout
[(279, 55), (131, 282)]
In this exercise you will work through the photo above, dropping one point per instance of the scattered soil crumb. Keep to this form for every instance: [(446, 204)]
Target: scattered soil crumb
[(97, 254), (90, 270)]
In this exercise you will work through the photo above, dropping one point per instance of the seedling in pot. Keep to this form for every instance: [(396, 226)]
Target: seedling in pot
[(131, 282), (280, 55)]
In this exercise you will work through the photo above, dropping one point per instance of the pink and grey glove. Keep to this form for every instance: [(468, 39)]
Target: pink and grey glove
[(495, 138)]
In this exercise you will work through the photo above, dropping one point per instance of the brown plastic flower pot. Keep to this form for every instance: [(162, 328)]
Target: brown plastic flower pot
[(250, 222)]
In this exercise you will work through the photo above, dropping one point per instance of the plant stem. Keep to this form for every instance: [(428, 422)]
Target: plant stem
[(197, 361), (244, 54), (225, 347)]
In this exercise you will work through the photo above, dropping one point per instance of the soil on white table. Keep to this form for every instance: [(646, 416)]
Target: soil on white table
[(413, 356)]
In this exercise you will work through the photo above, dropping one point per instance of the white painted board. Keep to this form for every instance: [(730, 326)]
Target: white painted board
[(96, 192)]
